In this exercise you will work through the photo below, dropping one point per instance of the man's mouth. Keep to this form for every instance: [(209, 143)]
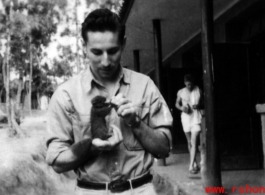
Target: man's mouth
[(106, 70)]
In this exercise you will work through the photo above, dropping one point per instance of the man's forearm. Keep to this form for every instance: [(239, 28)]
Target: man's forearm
[(154, 141), (179, 107), (76, 155)]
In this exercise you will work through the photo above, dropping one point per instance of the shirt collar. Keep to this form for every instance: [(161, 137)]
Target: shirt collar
[(126, 76), (88, 78)]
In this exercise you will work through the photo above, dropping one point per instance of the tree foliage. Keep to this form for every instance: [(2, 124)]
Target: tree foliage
[(35, 22), (27, 26), (113, 5), (32, 22)]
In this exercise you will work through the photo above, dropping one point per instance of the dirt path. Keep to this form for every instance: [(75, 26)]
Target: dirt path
[(22, 166)]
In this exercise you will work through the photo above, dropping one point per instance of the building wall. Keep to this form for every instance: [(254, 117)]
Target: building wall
[(180, 22)]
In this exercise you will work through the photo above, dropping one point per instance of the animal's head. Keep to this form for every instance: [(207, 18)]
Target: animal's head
[(100, 106)]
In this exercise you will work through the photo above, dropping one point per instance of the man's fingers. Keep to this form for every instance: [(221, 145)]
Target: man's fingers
[(126, 112), (120, 95), (117, 135), (119, 100), (99, 143), (104, 144), (118, 132), (122, 108), (114, 138), (110, 143), (117, 97)]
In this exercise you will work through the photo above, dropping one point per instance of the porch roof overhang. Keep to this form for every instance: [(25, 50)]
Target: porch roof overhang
[(180, 26)]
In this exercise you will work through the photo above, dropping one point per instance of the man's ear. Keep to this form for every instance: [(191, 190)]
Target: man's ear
[(83, 47), (83, 43)]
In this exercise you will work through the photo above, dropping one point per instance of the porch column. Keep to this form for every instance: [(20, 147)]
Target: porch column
[(260, 108), (210, 166), (158, 52), (136, 60), (158, 63)]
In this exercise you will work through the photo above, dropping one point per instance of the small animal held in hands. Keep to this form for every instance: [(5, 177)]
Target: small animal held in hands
[(100, 109)]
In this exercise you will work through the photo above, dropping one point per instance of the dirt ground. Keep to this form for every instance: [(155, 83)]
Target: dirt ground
[(23, 169), (22, 166)]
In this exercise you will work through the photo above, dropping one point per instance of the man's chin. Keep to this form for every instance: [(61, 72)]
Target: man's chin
[(109, 75)]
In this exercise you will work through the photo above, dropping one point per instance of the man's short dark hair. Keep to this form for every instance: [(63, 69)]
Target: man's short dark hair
[(103, 20), (188, 78)]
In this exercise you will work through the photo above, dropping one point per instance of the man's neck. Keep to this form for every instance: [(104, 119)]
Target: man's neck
[(109, 84), (109, 81), (112, 81), (190, 90)]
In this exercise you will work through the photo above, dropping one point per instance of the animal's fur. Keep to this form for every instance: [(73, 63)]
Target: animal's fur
[(100, 109)]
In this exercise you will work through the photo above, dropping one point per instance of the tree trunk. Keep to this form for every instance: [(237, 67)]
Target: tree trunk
[(30, 77), (4, 71), (1, 91), (18, 106), (19, 90), (15, 119), (8, 102), (4, 77), (77, 33), (38, 100)]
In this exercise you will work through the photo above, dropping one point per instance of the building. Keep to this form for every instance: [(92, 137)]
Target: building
[(238, 64)]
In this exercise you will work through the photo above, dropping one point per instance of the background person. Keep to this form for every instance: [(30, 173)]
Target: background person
[(189, 101)]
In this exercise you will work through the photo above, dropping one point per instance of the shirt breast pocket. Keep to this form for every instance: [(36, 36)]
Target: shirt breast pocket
[(130, 141)]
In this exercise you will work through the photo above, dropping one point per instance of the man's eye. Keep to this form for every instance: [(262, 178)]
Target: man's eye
[(113, 51), (97, 53)]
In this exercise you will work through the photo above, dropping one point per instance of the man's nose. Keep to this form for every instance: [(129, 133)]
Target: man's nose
[(105, 59)]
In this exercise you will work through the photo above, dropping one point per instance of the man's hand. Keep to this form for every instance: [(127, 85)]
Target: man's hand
[(195, 106), (125, 109), (186, 109), (111, 142)]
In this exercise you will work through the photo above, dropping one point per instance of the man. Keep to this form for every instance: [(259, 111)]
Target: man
[(139, 122), (189, 101)]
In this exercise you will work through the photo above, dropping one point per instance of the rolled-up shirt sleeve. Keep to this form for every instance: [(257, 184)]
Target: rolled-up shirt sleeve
[(160, 117), (59, 135)]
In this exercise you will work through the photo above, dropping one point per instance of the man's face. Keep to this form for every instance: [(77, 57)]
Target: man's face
[(104, 52), (189, 85)]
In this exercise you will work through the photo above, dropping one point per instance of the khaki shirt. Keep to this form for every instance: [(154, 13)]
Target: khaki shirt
[(69, 122)]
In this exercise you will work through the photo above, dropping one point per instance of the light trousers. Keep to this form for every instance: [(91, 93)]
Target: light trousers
[(146, 189)]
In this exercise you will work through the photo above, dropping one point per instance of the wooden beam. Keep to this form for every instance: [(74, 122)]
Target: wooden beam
[(158, 52), (211, 174), (158, 64), (136, 59), (260, 108)]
